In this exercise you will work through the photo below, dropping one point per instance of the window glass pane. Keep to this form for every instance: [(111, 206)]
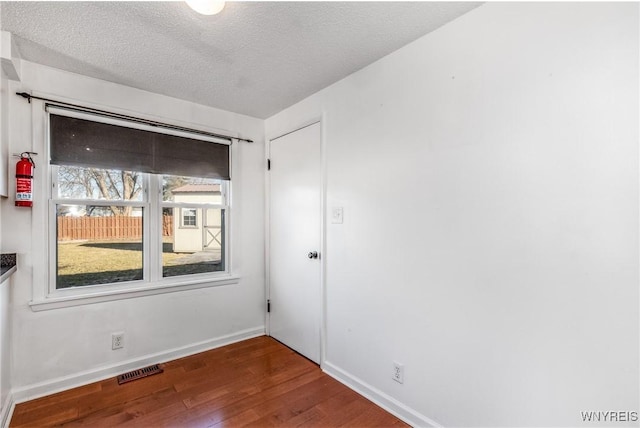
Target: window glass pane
[(195, 249), (92, 183), (189, 217), (191, 190), (94, 246)]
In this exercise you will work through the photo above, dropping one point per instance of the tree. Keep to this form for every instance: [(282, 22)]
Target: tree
[(114, 185), (172, 182), (94, 183)]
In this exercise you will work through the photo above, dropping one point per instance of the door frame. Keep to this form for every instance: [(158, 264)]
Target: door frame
[(322, 249)]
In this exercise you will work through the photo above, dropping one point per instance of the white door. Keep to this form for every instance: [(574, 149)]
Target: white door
[(294, 240)]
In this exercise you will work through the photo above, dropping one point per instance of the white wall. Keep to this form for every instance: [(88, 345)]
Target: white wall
[(489, 178), (5, 345), (58, 347), (5, 287)]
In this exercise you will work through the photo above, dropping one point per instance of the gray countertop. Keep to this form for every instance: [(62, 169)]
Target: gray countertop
[(7, 266)]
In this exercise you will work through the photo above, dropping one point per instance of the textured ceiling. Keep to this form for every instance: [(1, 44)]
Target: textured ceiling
[(254, 58)]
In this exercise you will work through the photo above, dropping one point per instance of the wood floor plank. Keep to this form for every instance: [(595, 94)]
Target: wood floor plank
[(238, 420), (257, 382), (112, 394), (346, 414), (249, 392), (332, 405), (57, 399), (249, 370), (281, 410), (253, 383), (131, 410), (214, 413), (39, 418)]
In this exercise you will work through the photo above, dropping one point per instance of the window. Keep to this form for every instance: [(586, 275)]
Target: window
[(196, 241), (189, 217), (134, 206), (99, 226)]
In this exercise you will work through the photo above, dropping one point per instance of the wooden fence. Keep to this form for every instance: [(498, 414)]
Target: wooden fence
[(106, 228)]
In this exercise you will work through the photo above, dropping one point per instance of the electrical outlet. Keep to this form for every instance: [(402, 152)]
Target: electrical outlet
[(117, 340), (398, 372)]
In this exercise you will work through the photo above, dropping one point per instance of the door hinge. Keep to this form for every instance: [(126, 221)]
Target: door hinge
[(268, 306), (268, 164)]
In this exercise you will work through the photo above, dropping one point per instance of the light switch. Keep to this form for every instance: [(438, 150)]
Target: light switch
[(337, 215)]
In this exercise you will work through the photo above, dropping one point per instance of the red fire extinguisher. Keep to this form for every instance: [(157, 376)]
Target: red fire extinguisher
[(24, 180)]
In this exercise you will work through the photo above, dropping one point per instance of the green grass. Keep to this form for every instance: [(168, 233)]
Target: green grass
[(101, 262)]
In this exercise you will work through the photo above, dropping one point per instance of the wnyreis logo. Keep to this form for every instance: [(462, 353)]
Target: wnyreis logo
[(609, 416)]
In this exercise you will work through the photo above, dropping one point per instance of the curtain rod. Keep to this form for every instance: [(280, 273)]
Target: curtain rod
[(132, 118)]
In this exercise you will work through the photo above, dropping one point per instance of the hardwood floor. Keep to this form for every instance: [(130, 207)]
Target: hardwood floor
[(257, 382)]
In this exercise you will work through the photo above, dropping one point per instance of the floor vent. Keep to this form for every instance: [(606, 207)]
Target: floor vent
[(139, 374)]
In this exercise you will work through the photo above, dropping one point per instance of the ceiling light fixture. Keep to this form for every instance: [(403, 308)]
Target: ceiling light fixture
[(206, 7)]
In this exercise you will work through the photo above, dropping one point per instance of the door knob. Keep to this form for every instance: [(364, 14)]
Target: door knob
[(313, 255)]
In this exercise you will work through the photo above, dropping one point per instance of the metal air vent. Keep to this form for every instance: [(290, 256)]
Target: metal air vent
[(139, 374)]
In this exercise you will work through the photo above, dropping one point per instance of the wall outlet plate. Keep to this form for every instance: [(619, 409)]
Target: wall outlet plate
[(398, 372), (117, 340)]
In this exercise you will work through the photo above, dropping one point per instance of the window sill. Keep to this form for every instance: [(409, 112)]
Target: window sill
[(57, 301)]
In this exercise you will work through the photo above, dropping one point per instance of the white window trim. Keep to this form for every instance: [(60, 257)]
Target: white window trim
[(44, 298), (56, 302), (195, 218)]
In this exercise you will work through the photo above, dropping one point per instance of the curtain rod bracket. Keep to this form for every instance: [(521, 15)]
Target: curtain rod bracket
[(25, 95)]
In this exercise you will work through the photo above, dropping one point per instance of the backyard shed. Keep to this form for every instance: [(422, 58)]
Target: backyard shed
[(197, 229)]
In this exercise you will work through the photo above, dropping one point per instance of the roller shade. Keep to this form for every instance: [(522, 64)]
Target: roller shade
[(81, 142)]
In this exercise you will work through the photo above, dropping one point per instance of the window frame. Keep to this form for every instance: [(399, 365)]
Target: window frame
[(153, 282), (225, 206), (195, 218)]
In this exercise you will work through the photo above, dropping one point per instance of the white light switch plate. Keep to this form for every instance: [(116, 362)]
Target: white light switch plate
[(337, 215)]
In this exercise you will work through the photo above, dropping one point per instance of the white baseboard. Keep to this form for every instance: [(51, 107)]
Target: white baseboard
[(7, 410), (37, 390), (383, 400)]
